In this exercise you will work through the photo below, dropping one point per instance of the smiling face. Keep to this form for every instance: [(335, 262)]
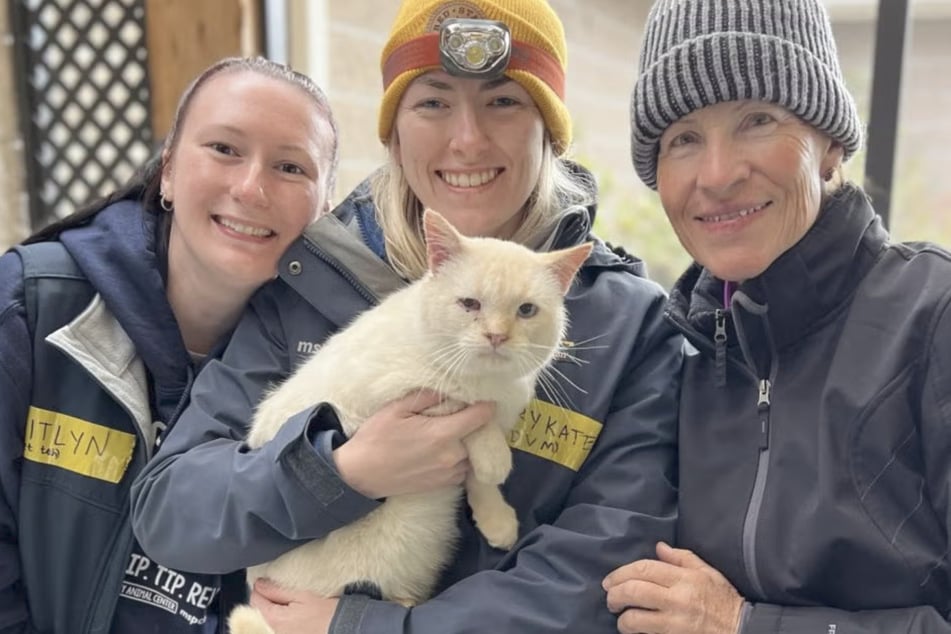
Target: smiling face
[(247, 173), (741, 183), (470, 149)]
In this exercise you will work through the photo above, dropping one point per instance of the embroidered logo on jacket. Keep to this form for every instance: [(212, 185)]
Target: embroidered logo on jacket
[(77, 445), (555, 433)]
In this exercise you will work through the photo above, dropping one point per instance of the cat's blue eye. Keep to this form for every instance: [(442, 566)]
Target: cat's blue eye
[(527, 310), (469, 303)]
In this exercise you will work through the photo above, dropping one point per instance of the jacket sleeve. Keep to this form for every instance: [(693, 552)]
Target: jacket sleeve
[(206, 503), (623, 501), (16, 356), (935, 427), (763, 618)]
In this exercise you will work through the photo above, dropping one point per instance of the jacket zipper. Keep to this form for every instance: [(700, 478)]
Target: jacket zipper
[(763, 404), (719, 345), (750, 523)]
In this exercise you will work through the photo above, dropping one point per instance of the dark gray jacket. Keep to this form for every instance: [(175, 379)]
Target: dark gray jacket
[(208, 503), (815, 462)]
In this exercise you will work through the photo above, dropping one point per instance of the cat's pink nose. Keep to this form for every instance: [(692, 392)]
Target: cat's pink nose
[(496, 339)]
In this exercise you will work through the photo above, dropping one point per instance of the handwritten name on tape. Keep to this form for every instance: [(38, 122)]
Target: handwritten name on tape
[(77, 445), (555, 433)]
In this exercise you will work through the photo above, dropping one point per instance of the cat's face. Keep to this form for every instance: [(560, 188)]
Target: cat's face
[(493, 306), (495, 309)]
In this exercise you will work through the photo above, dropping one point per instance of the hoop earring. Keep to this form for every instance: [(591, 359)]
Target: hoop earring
[(166, 205)]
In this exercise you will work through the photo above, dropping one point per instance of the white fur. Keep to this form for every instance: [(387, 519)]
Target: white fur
[(422, 337)]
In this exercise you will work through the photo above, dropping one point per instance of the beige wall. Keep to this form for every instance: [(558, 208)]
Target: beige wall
[(358, 30), (14, 224)]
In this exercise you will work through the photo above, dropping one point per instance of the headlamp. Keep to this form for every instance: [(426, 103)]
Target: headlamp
[(478, 49)]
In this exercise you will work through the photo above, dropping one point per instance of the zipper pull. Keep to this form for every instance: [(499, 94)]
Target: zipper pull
[(762, 407), (719, 342)]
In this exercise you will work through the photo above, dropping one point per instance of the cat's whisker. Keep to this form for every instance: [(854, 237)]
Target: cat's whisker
[(576, 346), (552, 396), (563, 354), (552, 371), (567, 349), (456, 359), (549, 386), (554, 391), (445, 366), (583, 343), (443, 357)]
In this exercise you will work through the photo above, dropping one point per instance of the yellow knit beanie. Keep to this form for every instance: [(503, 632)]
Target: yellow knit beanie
[(538, 40)]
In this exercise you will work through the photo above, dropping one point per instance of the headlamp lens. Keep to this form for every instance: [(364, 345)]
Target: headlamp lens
[(474, 48)]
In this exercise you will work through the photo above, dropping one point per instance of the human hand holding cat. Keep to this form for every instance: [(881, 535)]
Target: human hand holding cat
[(398, 450), (290, 611), (679, 593)]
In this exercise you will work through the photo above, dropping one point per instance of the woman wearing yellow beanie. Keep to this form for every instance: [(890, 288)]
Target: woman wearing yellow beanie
[(474, 121)]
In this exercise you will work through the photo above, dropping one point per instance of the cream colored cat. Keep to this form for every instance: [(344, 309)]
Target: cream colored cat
[(480, 326)]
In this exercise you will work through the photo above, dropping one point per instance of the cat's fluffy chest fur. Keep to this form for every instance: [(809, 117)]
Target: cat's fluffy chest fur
[(481, 326)]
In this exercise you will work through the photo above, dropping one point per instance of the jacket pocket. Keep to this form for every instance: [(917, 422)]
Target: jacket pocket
[(887, 468)]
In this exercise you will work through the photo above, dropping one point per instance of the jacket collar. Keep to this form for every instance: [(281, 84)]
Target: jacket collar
[(98, 343), (806, 283), (117, 252)]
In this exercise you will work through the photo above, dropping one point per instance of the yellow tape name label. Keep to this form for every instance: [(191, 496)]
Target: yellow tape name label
[(555, 433), (77, 445)]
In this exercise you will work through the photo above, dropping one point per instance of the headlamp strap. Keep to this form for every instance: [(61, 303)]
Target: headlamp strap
[(423, 52)]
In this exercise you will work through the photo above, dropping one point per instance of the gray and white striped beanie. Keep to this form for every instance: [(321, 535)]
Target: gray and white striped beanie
[(700, 52)]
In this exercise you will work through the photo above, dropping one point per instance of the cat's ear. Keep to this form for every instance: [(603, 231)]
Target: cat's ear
[(566, 262), (443, 242)]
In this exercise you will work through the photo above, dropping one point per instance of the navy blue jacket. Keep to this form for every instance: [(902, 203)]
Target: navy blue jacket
[(593, 479), (112, 367)]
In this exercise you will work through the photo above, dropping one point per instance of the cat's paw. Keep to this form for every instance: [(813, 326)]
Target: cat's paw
[(491, 467), (246, 620), (499, 527)]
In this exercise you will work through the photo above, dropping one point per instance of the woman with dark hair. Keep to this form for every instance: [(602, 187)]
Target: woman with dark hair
[(106, 316)]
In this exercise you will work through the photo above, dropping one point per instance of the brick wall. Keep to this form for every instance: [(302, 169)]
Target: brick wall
[(358, 30)]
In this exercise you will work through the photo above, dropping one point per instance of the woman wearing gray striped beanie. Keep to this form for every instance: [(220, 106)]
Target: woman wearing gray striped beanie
[(815, 419)]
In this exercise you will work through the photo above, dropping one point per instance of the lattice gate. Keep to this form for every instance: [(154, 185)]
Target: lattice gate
[(82, 73)]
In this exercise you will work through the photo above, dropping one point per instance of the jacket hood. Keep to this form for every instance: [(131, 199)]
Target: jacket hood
[(117, 252), (805, 283)]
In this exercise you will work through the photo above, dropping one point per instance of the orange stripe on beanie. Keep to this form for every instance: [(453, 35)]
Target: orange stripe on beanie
[(538, 64)]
